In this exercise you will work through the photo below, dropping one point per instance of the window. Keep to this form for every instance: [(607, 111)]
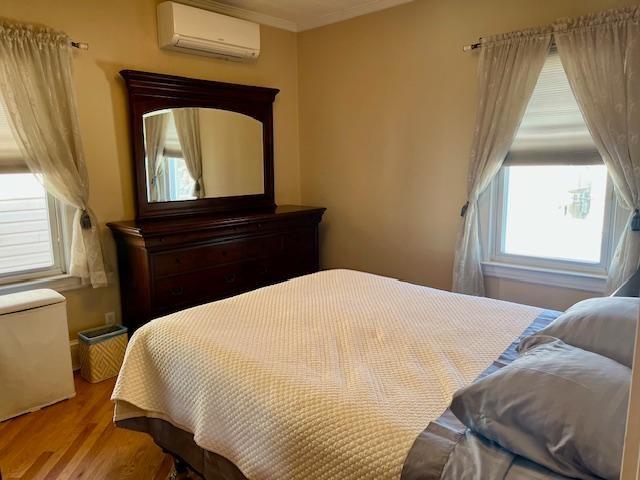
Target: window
[(552, 204), (554, 216), (180, 184), (172, 181), (30, 227)]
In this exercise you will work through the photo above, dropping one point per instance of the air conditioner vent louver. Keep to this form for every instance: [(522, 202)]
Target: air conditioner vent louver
[(201, 32)]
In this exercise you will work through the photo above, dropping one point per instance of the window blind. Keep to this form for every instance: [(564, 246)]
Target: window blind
[(25, 228), (553, 131), (11, 160), (172, 147)]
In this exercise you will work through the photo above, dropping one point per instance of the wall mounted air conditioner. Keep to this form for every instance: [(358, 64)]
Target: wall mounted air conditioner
[(201, 32)]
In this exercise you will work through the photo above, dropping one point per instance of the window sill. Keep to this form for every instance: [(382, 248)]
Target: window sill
[(541, 276), (59, 283)]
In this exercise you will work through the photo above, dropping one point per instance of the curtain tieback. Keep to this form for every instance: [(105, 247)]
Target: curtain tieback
[(635, 221), (197, 188), (463, 210), (85, 220)]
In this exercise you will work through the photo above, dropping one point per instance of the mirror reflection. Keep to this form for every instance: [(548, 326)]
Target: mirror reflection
[(194, 153)]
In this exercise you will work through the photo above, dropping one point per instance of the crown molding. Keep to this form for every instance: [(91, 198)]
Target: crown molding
[(261, 18), (347, 13), (284, 24)]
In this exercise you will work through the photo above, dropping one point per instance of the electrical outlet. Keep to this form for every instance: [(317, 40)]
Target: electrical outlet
[(110, 318)]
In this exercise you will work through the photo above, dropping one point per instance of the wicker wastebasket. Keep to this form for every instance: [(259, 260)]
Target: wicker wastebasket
[(101, 352)]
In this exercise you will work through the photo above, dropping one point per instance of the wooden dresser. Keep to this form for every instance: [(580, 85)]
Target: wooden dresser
[(169, 265), (207, 226)]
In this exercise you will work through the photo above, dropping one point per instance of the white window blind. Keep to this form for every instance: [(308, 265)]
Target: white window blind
[(28, 233), (11, 160), (172, 147), (30, 244), (553, 131)]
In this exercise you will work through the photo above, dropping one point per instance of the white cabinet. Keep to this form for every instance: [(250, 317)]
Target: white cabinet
[(35, 360)]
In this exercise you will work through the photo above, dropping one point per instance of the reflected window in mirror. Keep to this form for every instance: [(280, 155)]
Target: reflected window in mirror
[(179, 183), (193, 153)]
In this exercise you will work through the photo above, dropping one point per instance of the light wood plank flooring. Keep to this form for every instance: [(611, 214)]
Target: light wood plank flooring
[(76, 439)]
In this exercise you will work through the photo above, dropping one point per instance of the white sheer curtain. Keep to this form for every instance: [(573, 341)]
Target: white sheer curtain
[(188, 128), (155, 132), (601, 56), (507, 73), (37, 90)]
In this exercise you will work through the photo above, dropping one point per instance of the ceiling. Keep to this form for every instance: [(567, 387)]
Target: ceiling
[(295, 15)]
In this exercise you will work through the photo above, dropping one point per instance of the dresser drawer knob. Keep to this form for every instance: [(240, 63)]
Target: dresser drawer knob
[(230, 278), (177, 291)]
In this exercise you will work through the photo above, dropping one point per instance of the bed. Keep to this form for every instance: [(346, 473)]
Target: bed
[(339, 374)]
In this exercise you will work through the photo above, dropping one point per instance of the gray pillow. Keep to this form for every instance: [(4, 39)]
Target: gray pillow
[(602, 325), (557, 405)]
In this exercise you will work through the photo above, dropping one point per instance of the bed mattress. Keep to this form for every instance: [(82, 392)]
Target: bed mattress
[(332, 375)]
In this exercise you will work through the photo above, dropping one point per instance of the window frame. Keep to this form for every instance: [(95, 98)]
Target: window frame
[(58, 218), (498, 228), (531, 271), (169, 180)]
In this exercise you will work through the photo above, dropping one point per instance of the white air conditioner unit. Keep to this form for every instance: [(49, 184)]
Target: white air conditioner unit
[(201, 32)]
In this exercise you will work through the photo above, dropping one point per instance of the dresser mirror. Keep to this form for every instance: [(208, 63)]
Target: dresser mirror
[(193, 153), (199, 146)]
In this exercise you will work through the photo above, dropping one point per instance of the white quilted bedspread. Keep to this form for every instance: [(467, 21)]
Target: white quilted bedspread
[(328, 376)]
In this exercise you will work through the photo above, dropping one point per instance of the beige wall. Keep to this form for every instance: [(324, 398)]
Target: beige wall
[(544, 296), (387, 106), (122, 34), (232, 154)]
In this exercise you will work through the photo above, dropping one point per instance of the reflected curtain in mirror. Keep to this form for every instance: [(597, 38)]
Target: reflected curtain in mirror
[(155, 131), (188, 128)]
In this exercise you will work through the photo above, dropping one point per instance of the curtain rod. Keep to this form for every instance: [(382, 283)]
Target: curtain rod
[(474, 46), (80, 45), (471, 46)]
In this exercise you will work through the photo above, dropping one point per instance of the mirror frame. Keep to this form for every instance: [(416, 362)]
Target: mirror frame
[(148, 92)]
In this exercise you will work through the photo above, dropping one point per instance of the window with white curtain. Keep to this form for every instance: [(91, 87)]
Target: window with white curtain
[(552, 204), (178, 183), (31, 237)]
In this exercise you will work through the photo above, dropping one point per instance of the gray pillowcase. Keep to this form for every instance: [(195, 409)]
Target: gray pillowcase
[(557, 405), (602, 325)]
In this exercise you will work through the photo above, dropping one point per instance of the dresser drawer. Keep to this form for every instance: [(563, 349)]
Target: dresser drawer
[(300, 241), (197, 258), (174, 292)]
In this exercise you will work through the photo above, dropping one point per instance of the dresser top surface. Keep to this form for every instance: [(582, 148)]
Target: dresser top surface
[(198, 222)]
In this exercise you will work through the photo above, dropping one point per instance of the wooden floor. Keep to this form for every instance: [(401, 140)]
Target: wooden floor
[(76, 439)]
